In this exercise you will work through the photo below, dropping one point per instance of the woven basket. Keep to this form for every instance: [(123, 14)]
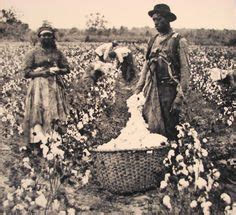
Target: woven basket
[(128, 171)]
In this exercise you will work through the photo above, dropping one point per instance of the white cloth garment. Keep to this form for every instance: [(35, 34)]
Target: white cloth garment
[(122, 52), (103, 50)]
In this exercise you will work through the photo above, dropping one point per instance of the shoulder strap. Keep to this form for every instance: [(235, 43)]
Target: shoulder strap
[(150, 43)]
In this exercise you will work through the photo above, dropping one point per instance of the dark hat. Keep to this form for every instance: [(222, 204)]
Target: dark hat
[(45, 29), (163, 10)]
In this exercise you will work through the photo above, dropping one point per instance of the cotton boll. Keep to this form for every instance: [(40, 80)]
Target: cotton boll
[(171, 153), (71, 211), (183, 183), (190, 168), (201, 183), (226, 198), (163, 185), (41, 201), (135, 135), (193, 204), (216, 174), (174, 145), (167, 176), (166, 202), (204, 153), (179, 158)]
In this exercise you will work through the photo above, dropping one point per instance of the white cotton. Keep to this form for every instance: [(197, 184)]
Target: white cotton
[(71, 211), (25, 183), (179, 158), (167, 176), (166, 201), (163, 185), (49, 156), (226, 198), (206, 207), (210, 182), (174, 145), (55, 205), (80, 125), (190, 168), (216, 174), (171, 153), (183, 183), (136, 134), (45, 150), (187, 153), (183, 171), (5, 203), (41, 201), (197, 144), (85, 178), (10, 197), (204, 153), (201, 183), (215, 74), (193, 204), (57, 151), (37, 134)]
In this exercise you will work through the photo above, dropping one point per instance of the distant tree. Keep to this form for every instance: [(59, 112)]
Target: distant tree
[(11, 27), (8, 16), (46, 23), (96, 23), (73, 31), (123, 30)]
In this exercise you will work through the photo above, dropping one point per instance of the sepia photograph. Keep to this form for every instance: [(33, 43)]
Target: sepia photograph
[(118, 107)]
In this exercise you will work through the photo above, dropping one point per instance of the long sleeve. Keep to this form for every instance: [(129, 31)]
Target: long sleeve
[(107, 50), (28, 64), (184, 65), (119, 57), (142, 78)]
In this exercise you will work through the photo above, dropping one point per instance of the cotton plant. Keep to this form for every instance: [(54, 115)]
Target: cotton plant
[(190, 171), (40, 187)]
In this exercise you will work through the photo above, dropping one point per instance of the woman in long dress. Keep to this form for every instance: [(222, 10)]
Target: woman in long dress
[(45, 100)]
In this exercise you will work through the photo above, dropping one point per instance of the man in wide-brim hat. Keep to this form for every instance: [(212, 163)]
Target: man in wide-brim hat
[(165, 75)]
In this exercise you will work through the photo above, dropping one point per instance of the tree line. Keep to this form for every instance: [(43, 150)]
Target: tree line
[(12, 28)]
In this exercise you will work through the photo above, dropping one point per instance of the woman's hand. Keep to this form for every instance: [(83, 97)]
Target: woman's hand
[(54, 70)]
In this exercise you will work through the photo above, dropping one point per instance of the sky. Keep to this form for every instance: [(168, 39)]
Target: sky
[(208, 14)]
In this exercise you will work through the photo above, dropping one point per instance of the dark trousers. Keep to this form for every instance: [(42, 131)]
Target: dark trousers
[(167, 94), (127, 68)]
